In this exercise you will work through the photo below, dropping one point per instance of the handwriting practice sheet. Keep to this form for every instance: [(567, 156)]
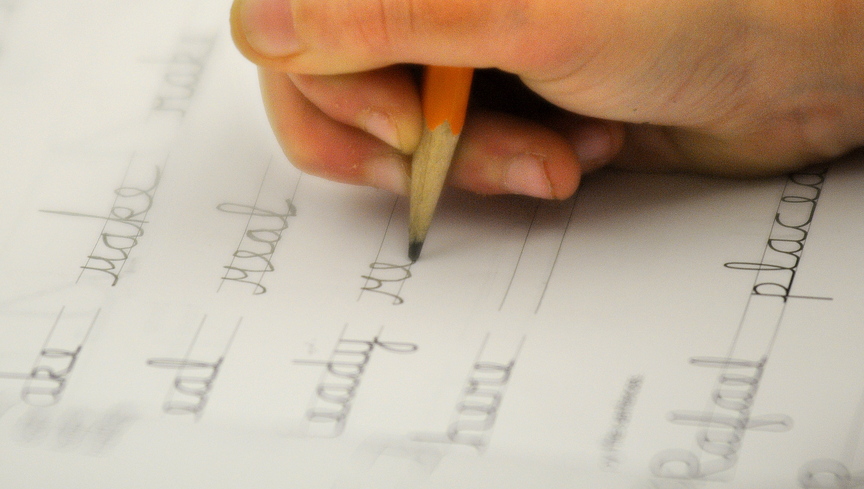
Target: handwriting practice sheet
[(181, 308)]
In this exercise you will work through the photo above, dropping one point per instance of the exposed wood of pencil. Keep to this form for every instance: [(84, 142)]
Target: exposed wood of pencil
[(445, 100), (428, 172)]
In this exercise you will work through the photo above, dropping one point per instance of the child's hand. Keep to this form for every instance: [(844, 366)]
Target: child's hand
[(731, 87)]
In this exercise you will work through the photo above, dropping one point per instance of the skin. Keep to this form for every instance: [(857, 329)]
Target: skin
[(727, 87)]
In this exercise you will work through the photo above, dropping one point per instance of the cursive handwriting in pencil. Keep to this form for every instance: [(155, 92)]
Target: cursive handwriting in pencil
[(775, 272), (183, 74), (339, 382), (196, 372), (254, 254), (386, 276), (387, 279), (476, 411), (46, 381), (723, 426), (124, 225)]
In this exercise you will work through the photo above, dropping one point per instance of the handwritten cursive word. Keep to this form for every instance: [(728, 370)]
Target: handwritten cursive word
[(479, 403), (192, 384), (195, 378), (724, 431), (386, 279), (47, 380), (183, 74), (255, 251), (775, 272), (124, 225), (477, 409), (337, 388), (621, 419), (827, 473), (45, 383)]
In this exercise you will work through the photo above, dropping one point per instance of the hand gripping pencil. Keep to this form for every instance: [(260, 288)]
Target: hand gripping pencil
[(445, 101)]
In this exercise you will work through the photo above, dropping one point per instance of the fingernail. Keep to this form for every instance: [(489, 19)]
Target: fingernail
[(269, 27), (381, 126), (388, 173), (526, 175), (593, 143)]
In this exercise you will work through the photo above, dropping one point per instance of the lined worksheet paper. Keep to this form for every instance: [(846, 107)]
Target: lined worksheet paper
[(180, 307)]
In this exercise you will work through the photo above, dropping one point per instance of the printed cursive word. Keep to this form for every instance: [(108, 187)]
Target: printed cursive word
[(124, 225), (621, 419), (775, 272), (183, 74), (387, 279), (194, 379), (45, 383), (721, 439), (477, 408), (192, 384), (343, 371), (252, 258)]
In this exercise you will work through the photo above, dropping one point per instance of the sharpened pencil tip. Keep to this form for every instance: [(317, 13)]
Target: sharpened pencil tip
[(414, 248)]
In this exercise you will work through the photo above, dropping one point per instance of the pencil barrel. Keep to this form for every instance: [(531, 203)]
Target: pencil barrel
[(445, 96), (428, 173)]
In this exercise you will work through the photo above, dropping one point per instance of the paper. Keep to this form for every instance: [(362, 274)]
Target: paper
[(180, 307)]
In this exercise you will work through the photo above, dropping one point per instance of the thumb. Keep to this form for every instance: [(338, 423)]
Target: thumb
[(342, 36)]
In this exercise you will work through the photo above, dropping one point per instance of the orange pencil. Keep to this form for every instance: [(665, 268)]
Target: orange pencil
[(445, 101)]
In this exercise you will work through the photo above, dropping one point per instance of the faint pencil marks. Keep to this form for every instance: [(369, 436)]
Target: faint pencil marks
[(825, 473), (183, 74), (84, 430), (537, 257), (519, 259), (557, 253), (7, 9), (623, 414)]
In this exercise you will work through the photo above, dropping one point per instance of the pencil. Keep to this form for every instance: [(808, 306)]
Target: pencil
[(445, 101)]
